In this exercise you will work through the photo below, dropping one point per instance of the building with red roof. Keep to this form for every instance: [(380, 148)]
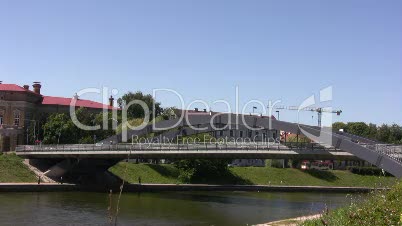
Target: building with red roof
[(18, 104)]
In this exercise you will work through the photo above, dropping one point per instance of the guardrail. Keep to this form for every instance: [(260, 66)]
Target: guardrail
[(356, 138), (170, 147), (392, 151)]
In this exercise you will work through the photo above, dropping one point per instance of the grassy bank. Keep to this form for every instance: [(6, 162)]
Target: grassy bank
[(13, 170), (382, 208), (168, 174)]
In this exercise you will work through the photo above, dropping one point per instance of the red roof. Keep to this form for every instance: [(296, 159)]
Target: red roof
[(11, 87), (14, 88), (48, 100)]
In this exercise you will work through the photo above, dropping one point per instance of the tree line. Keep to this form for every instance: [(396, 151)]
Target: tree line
[(390, 134)]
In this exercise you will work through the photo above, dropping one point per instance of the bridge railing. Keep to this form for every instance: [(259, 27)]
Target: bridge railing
[(356, 138), (170, 147), (392, 151), (308, 146)]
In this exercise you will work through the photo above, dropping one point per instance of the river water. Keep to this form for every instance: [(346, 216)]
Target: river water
[(162, 208)]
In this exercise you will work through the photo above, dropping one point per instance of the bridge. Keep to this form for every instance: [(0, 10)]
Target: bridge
[(184, 151), (335, 145)]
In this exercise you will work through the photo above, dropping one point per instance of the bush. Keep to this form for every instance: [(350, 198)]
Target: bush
[(276, 163), (201, 169), (381, 208), (373, 171)]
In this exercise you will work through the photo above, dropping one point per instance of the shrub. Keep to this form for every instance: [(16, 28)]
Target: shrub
[(373, 171), (381, 208)]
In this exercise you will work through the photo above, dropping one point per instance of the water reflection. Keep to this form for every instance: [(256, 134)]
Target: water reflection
[(164, 208)]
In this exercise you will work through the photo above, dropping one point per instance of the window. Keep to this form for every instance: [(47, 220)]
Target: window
[(250, 133), (1, 117), (16, 118), (231, 133), (241, 133), (221, 133)]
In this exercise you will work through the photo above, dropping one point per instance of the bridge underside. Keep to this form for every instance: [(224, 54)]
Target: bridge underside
[(78, 171)]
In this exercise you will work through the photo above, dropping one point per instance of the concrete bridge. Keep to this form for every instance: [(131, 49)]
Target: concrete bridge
[(336, 145), (183, 151), (384, 156)]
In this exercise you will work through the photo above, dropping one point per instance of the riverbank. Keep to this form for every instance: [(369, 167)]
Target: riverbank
[(251, 188), (168, 174), (12, 169), (292, 222), (34, 187), (50, 187), (381, 208)]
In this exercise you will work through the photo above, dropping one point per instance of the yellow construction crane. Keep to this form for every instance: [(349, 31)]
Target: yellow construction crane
[(312, 109)]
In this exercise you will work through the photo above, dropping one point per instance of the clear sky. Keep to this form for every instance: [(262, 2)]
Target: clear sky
[(272, 50)]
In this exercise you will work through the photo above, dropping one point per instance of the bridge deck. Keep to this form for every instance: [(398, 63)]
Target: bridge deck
[(122, 151)]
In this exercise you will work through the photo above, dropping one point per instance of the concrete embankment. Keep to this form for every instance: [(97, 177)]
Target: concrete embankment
[(49, 187), (260, 188), (291, 222), (34, 187)]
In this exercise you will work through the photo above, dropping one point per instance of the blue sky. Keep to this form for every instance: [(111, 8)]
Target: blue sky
[(271, 50)]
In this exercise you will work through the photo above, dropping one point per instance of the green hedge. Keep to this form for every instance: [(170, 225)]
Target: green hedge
[(374, 171)]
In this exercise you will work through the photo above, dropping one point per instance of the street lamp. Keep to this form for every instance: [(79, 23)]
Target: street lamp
[(33, 131), (278, 114), (58, 140), (254, 108)]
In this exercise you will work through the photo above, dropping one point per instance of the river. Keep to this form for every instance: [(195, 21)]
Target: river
[(162, 208)]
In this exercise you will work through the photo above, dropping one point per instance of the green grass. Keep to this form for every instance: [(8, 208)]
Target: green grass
[(279, 176), (168, 174), (153, 174), (382, 208), (13, 170)]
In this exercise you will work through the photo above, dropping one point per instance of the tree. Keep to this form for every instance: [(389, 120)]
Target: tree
[(104, 133), (59, 128), (358, 128), (201, 169), (372, 131), (336, 126), (395, 134), (34, 130), (136, 110), (169, 113), (383, 133)]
